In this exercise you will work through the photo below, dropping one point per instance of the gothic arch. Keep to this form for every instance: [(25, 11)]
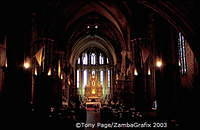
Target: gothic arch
[(113, 15), (175, 16), (88, 42)]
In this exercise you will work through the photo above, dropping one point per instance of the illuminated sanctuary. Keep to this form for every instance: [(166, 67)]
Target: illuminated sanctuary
[(93, 89), (93, 73)]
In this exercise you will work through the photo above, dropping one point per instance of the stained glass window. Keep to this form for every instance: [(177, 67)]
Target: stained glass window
[(85, 59), (182, 54), (93, 59), (101, 60), (101, 77), (77, 79), (79, 61), (108, 78), (85, 75), (107, 60)]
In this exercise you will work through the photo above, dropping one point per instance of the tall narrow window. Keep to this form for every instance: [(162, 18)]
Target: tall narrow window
[(79, 61), (85, 59), (107, 60), (101, 77), (84, 78), (108, 78), (93, 62), (93, 59), (77, 78), (101, 60), (182, 54)]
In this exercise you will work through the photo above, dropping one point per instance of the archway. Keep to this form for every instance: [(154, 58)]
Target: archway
[(93, 59)]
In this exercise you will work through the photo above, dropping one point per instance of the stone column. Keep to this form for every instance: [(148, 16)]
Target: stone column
[(140, 96), (167, 76), (123, 63), (15, 98)]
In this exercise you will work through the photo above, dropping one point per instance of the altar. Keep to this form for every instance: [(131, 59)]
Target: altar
[(93, 89)]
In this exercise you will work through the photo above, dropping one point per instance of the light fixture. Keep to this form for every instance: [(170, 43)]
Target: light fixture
[(159, 63), (149, 71), (135, 72), (6, 64), (179, 63), (27, 65), (49, 72), (69, 82), (61, 77), (96, 26), (35, 71), (88, 27)]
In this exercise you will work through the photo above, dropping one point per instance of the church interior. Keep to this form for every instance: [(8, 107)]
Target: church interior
[(101, 61)]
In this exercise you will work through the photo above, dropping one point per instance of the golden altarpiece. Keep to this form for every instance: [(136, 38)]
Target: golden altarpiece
[(93, 89)]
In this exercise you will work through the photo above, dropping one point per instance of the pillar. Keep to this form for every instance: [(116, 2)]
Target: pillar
[(167, 76), (17, 80)]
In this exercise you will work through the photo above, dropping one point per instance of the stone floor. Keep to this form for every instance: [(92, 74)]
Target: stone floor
[(93, 117)]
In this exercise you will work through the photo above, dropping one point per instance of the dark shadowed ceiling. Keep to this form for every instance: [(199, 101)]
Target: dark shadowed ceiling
[(67, 20)]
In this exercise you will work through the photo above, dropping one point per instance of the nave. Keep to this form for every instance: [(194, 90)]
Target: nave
[(121, 61)]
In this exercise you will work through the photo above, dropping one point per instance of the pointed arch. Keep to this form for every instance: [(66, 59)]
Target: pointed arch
[(89, 42), (101, 8)]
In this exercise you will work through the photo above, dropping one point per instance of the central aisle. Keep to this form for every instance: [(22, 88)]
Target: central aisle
[(93, 117)]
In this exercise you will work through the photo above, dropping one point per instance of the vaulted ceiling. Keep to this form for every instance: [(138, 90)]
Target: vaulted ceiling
[(68, 20)]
